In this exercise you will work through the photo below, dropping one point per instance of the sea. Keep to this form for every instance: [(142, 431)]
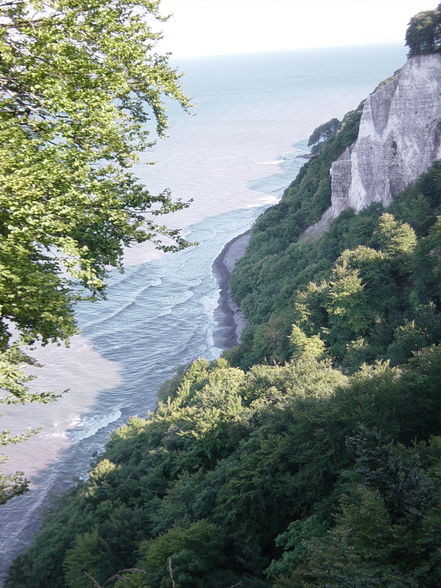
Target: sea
[(233, 155)]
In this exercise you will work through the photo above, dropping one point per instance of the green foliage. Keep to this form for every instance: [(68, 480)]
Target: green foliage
[(271, 252), (304, 346), (190, 556), (80, 86), (359, 287), (310, 458), (12, 484), (292, 542), (424, 32), (380, 536), (322, 133), (394, 238), (89, 553), (237, 479)]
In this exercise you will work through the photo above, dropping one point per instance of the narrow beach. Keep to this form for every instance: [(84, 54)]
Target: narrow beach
[(229, 318)]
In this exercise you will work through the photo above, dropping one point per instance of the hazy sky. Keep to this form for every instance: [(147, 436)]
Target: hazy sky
[(215, 27)]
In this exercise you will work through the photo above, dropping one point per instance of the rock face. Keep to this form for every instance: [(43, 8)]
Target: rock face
[(398, 140)]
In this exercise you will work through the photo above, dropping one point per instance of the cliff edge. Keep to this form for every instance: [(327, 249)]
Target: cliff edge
[(398, 140)]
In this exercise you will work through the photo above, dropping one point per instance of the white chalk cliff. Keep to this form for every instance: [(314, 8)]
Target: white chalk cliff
[(398, 140)]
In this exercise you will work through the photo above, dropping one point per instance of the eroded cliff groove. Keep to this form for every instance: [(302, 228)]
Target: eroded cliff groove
[(398, 140)]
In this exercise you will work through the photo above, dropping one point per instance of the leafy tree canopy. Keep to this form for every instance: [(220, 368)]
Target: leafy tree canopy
[(322, 133), (81, 90), (424, 32)]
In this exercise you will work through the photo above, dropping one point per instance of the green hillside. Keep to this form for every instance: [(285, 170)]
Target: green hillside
[(310, 454)]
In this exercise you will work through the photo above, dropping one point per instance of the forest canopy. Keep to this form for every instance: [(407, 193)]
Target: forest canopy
[(307, 456)]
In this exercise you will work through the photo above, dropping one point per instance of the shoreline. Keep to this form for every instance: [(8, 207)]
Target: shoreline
[(230, 319)]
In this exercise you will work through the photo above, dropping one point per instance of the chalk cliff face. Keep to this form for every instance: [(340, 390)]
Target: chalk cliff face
[(398, 140)]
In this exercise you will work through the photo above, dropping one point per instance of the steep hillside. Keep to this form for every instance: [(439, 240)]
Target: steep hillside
[(399, 138), (309, 456), (381, 149)]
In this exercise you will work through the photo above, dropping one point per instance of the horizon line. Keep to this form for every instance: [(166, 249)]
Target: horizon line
[(287, 50)]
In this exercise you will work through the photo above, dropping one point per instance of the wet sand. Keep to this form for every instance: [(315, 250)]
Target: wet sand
[(229, 318)]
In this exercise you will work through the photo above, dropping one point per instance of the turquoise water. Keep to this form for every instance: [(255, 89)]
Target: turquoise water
[(235, 156)]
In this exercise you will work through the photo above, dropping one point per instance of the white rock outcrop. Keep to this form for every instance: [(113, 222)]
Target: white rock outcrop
[(398, 140)]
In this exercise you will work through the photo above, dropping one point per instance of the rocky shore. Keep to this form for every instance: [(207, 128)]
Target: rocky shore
[(229, 318)]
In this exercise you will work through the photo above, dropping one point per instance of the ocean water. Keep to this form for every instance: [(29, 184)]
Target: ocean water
[(234, 155)]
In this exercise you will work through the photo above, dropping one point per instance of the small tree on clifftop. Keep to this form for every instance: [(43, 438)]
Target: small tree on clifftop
[(424, 32)]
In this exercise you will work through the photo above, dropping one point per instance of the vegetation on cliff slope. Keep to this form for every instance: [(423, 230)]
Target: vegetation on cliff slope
[(359, 287), (310, 455), (281, 475), (316, 466)]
